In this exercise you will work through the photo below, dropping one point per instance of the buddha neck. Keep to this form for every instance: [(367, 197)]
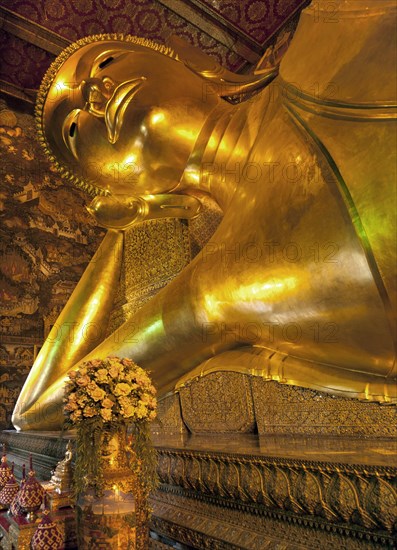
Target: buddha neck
[(221, 152)]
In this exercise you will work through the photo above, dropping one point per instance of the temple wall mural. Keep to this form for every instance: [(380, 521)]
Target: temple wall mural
[(43, 250)]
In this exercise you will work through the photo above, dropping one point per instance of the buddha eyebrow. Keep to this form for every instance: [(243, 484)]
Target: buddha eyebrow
[(105, 62)]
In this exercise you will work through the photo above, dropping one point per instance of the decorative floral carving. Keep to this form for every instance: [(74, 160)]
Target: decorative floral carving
[(326, 492), (230, 411)]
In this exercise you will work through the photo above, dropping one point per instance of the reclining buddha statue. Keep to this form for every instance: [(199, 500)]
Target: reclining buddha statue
[(300, 159)]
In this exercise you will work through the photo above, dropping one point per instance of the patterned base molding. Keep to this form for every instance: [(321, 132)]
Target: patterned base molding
[(201, 525), (155, 544), (46, 448), (218, 499), (205, 494)]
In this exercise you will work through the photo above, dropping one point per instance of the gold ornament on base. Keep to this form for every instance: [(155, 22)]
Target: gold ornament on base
[(31, 495), (5, 470), (108, 519), (10, 490), (47, 535), (15, 508), (62, 476)]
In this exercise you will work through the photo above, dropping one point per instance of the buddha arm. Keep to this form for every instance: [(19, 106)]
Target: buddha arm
[(164, 336), (81, 325)]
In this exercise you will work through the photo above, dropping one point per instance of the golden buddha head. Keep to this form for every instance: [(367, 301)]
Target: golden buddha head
[(120, 115)]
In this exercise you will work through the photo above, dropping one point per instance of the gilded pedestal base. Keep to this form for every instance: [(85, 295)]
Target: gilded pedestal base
[(106, 524), (236, 500), (233, 402), (202, 524), (265, 465), (252, 464)]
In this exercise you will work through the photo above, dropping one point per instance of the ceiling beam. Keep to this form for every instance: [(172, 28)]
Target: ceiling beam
[(47, 40), (31, 32), (217, 27), (17, 92)]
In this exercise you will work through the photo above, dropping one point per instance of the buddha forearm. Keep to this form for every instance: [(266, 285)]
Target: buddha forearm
[(80, 326)]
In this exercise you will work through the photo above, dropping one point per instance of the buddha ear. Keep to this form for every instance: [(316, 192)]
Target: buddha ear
[(225, 83)]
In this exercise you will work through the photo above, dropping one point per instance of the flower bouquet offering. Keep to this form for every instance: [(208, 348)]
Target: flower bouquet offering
[(104, 399), (110, 390), (111, 403)]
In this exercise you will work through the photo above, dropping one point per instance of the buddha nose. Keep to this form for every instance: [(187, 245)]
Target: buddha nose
[(96, 93)]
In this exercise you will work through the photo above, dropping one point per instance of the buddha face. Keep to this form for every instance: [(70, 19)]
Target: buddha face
[(125, 116)]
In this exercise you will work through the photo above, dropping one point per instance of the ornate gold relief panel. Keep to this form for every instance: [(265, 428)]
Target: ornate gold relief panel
[(290, 410), (219, 403), (155, 251), (169, 417), (340, 494)]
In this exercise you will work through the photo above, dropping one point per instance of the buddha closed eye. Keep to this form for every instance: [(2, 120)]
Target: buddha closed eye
[(108, 60)]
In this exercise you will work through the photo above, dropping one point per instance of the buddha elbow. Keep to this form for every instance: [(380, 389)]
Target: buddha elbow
[(17, 418), (47, 416)]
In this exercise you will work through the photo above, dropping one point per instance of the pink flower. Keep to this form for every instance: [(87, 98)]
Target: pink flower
[(102, 375), (153, 403), (71, 406), (127, 362), (128, 411), (124, 402), (76, 415), (95, 392), (82, 400), (141, 411), (107, 403), (115, 371), (89, 411), (106, 414), (122, 389), (83, 380), (140, 381), (149, 401)]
